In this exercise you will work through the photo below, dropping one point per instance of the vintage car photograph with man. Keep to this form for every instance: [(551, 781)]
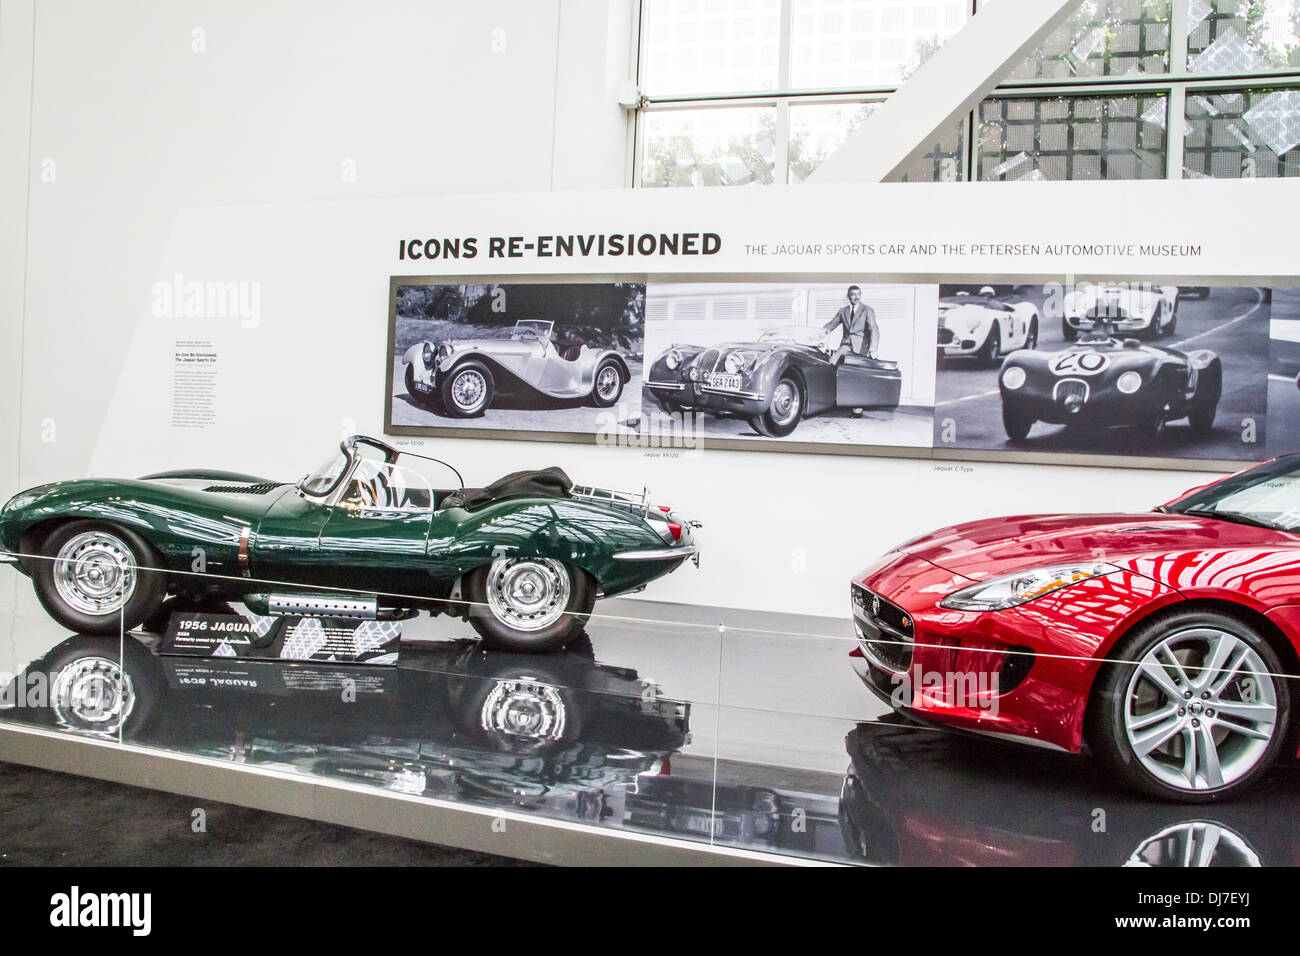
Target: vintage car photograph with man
[(825, 362), (1123, 367), (547, 357)]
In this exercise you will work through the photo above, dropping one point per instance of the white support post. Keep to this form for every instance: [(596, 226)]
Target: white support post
[(946, 87)]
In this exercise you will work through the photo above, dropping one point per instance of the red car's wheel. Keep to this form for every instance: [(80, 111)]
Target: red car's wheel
[(1196, 709)]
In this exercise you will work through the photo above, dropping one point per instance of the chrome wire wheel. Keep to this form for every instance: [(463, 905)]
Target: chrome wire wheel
[(92, 693), (95, 573), (524, 708), (1200, 709), (785, 403), (528, 594), (607, 382), (468, 389)]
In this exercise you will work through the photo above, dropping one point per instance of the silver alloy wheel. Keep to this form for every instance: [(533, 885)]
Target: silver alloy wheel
[(95, 573), (92, 693), (527, 594), (468, 389), (785, 402), (607, 382), (1200, 709), (1195, 843), (524, 707)]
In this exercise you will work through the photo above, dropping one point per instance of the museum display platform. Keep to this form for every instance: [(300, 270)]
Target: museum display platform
[(667, 734)]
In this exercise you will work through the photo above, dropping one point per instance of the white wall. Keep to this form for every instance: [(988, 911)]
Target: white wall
[(135, 117)]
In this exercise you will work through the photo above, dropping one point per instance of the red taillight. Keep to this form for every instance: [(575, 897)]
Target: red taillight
[(665, 509), (676, 529)]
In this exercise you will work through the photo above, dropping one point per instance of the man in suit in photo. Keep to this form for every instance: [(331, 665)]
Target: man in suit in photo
[(858, 323), (861, 334)]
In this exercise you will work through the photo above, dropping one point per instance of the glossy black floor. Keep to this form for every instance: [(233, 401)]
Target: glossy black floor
[(740, 730), (57, 819)]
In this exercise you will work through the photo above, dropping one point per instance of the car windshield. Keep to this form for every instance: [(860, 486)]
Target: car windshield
[(532, 328), (794, 335), (1268, 496), (323, 479)]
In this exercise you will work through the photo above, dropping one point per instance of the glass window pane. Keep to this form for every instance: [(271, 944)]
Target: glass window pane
[(818, 130), (1242, 134), (836, 43), (1104, 38), (709, 147), (1072, 137), (710, 46), (1242, 36)]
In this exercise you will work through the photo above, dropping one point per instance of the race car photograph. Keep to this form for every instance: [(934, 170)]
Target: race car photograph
[(983, 327), (1105, 381), (1147, 312), (552, 357), (816, 362), (1158, 643), (1135, 369), (1284, 372), (367, 535)]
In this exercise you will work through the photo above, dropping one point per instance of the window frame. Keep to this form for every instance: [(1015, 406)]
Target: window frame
[(1176, 84)]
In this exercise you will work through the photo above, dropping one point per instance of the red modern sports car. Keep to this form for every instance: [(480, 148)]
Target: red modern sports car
[(1163, 643)]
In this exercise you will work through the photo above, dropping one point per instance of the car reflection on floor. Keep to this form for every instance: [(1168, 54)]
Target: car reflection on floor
[(562, 735), (917, 796), (568, 737)]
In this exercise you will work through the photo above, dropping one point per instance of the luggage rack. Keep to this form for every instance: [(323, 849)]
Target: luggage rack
[(630, 500)]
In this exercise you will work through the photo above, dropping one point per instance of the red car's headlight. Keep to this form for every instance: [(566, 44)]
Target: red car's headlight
[(1022, 587)]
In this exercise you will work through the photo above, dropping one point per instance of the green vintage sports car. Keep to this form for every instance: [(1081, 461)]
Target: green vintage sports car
[(366, 535)]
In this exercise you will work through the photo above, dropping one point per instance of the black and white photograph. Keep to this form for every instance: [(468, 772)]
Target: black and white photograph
[(1131, 368), (841, 363), (1284, 373), (547, 357)]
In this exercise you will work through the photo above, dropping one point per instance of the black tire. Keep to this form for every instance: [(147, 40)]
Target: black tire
[(779, 426), (1107, 733), (611, 398), (1069, 332), (1203, 411), (421, 399), (1173, 321), (460, 374), (1152, 331), (1017, 422), (991, 350), (499, 635), (1031, 340), (147, 593)]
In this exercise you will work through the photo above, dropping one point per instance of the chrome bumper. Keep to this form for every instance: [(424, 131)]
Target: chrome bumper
[(659, 554)]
